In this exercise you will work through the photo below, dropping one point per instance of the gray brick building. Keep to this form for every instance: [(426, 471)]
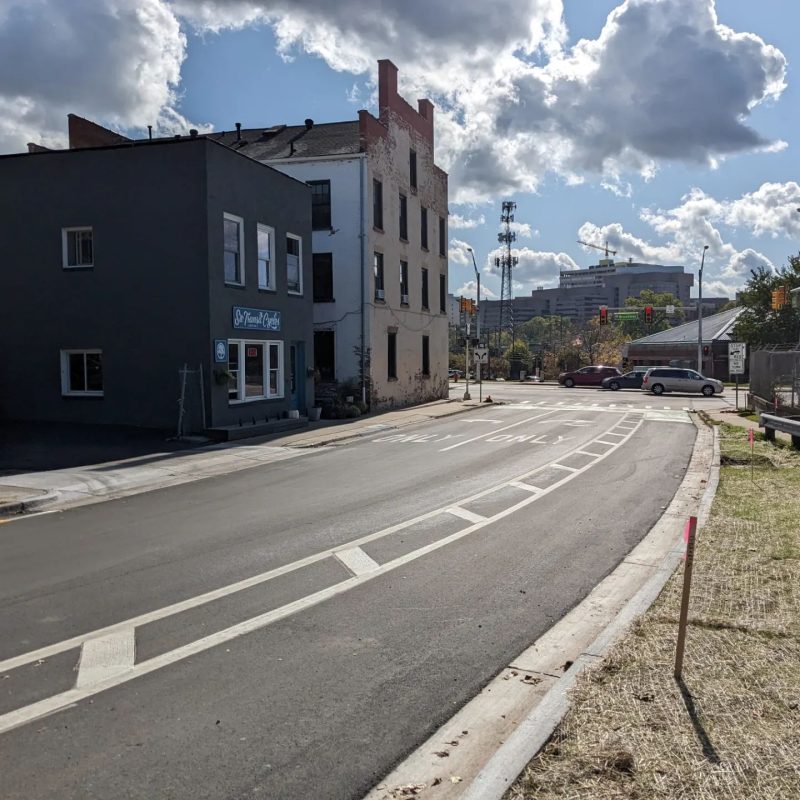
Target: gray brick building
[(124, 263)]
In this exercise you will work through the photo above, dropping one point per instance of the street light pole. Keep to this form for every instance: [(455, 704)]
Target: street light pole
[(700, 313), (478, 324)]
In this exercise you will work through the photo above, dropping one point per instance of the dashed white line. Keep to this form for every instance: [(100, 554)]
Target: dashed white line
[(106, 657), (528, 487), (356, 560), (457, 511)]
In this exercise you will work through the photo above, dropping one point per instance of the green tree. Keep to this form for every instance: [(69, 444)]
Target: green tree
[(600, 344), (759, 324)]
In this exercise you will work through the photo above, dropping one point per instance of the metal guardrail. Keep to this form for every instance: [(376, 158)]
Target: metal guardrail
[(771, 423)]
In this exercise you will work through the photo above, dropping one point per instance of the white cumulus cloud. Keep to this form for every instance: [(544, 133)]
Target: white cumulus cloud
[(117, 61)]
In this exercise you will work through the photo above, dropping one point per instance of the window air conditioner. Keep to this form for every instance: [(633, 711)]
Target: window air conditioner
[(380, 294)]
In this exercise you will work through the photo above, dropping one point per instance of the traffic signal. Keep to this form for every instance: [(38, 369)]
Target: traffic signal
[(462, 304), (604, 315), (780, 298), (648, 314), (706, 349)]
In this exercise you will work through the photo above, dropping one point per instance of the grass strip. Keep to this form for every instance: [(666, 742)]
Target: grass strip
[(732, 728)]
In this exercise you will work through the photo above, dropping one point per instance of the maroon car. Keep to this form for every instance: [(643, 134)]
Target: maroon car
[(587, 376)]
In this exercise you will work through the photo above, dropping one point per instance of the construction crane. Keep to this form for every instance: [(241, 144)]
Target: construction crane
[(605, 249)]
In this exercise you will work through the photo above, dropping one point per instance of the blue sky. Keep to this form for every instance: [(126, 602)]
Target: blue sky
[(669, 125)]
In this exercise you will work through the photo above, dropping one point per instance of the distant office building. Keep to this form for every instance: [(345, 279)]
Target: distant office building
[(581, 292)]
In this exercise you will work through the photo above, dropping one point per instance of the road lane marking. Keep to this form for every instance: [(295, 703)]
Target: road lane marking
[(492, 421), (528, 487), (59, 702), (499, 430), (106, 657), (457, 511), (587, 453), (356, 560), (568, 469), (602, 441)]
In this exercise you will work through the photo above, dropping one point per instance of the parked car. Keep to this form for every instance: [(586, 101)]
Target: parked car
[(455, 374), (670, 379), (628, 380), (587, 376)]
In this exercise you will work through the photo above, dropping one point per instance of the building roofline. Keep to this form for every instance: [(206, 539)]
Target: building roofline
[(136, 143)]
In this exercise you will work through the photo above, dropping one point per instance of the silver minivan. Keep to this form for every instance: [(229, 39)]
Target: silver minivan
[(671, 379)]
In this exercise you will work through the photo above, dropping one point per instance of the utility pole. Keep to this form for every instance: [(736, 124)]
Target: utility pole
[(478, 320), (700, 313)]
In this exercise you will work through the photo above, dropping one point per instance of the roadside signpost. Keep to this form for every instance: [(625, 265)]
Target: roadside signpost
[(689, 535), (737, 352), (669, 310), (481, 356)]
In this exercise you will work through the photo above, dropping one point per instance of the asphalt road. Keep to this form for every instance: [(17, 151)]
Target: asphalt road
[(359, 595)]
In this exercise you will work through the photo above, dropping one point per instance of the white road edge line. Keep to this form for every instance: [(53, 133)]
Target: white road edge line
[(21, 716), (356, 560), (457, 511)]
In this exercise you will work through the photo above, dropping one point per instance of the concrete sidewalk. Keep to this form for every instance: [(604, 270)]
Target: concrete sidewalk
[(34, 491)]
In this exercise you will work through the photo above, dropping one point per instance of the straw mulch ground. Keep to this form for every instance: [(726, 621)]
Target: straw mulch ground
[(732, 730)]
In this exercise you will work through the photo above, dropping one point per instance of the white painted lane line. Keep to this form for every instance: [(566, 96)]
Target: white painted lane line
[(106, 657), (612, 405), (457, 511), (356, 560), (59, 702), (611, 433), (602, 441), (567, 469), (492, 421), (528, 487), (587, 453), (492, 433)]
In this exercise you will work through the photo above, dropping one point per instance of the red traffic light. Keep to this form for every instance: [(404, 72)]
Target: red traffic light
[(603, 315), (648, 314)]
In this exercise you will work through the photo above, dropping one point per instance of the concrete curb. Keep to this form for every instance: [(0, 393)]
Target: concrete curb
[(28, 504), (508, 762)]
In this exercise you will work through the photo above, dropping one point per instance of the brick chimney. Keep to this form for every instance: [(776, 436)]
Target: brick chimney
[(85, 133), (389, 101)]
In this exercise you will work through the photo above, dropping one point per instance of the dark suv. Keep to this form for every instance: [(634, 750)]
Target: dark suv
[(587, 376)]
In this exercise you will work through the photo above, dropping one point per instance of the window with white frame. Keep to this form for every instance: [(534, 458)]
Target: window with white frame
[(82, 372), (294, 264), (77, 247), (255, 369), (233, 246), (266, 264)]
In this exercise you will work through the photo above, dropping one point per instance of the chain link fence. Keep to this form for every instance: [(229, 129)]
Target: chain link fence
[(775, 378)]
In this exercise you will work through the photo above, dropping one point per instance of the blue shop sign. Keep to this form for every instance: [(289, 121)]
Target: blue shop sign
[(220, 351), (256, 319)]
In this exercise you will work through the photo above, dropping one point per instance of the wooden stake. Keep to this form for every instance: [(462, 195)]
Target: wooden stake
[(691, 531)]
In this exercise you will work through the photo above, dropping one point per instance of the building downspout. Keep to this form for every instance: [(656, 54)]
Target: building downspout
[(362, 235)]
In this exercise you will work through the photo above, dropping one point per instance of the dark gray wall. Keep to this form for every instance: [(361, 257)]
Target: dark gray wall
[(143, 303), (258, 194), (155, 298)]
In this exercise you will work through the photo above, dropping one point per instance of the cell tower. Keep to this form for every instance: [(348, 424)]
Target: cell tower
[(507, 262)]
